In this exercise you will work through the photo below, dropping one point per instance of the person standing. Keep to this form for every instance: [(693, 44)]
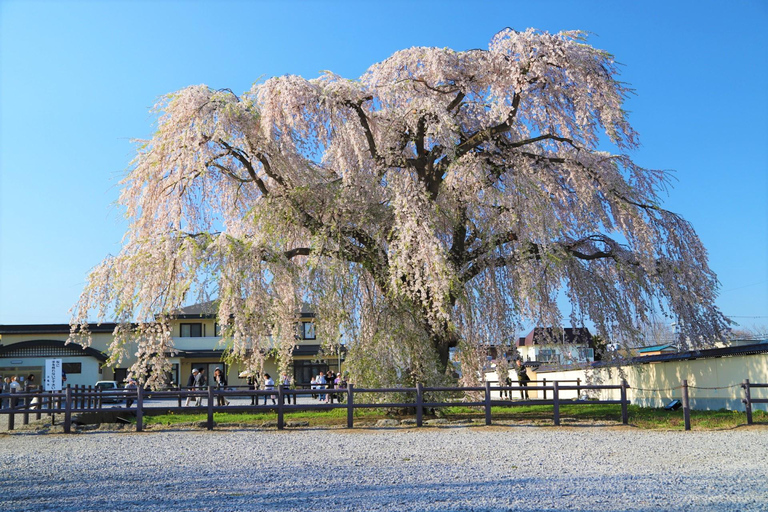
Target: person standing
[(5, 387), (269, 384), (285, 383), (321, 382), (220, 381), (522, 378), (130, 391), (313, 386), (253, 383), (15, 387)]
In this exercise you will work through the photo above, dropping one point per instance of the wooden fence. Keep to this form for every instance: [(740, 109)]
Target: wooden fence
[(748, 400), (81, 399)]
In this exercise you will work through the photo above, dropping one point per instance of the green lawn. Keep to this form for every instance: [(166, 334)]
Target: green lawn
[(645, 418)]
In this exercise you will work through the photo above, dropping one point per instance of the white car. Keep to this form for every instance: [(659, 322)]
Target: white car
[(111, 386)]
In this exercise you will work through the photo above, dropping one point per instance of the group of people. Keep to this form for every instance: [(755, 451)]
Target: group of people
[(12, 384), (522, 381), (330, 380), (327, 381), (197, 380)]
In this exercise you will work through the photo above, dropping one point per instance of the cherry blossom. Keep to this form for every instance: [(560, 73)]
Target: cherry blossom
[(444, 198)]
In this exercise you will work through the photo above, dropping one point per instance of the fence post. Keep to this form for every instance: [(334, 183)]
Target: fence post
[(487, 403), (624, 413), (280, 395), (139, 408), (12, 415), (350, 406), (179, 390), (68, 410), (25, 418), (51, 405), (747, 400), (686, 406), (578, 388), (419, 404), (209, 424), (556, 402), (544, 383)]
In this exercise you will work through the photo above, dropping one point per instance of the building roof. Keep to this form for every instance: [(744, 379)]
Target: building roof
[(48, 348), (657, 348), (52, 328), (552, 335)]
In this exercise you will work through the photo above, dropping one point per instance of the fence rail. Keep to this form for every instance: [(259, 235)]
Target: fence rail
[(81, 400), (87, 399)]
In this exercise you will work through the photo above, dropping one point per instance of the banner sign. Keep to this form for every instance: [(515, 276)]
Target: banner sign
[(52, 375)]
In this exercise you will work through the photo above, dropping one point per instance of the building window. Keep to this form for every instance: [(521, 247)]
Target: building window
[(586, 354), (304, 371), (72, 368), (547, 355), (216, 329), (191, 330), (308, 330)]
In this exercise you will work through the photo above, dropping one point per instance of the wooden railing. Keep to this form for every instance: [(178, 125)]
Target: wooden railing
[(748, 400), (80, 400)]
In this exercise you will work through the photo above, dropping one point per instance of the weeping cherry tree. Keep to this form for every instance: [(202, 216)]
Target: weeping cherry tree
[(443, 199)]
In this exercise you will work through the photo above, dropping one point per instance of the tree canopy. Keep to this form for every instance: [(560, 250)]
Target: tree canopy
[(443, 198)]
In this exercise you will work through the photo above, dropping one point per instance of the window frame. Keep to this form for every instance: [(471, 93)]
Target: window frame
[(191, 334)]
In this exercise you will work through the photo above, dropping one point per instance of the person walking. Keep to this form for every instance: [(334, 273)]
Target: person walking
[(220, 381), (269, 384), (522, 378), (200, 383), (191, 384)]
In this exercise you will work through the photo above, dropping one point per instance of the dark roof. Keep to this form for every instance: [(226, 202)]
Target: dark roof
[(757, 348), (37, 348), (656, 348), (202, 310), (210, 310), (550, 335), (52, 328)]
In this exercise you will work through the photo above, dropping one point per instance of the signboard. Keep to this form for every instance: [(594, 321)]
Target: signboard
[(52, 375)]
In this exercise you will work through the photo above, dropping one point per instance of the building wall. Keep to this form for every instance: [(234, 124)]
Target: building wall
[(714, 383), (92, 371)]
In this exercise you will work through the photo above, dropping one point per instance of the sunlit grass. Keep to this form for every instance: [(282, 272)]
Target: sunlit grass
[(645, 418)]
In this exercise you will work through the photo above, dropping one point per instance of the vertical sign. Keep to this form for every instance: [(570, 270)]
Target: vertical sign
[(52, 377)]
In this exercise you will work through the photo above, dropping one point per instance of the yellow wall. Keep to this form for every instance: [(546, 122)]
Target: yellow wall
[(714, 383)]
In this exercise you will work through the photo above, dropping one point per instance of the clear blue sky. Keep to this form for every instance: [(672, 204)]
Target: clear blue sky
[(77, 80)]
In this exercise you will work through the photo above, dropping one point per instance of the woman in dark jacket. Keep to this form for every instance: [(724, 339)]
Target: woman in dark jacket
[(220, 380)]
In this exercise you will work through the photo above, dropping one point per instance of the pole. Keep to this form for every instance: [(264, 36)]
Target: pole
[(686, 406), (624, 413), (747, 400), (68, 410), (280, 406), (12, 415), (350, 405), (487, 403), (556, 402), (209, 425), (139, 408), (419, 404)]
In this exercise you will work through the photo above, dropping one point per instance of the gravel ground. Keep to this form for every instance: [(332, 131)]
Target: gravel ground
[(389, 469)]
